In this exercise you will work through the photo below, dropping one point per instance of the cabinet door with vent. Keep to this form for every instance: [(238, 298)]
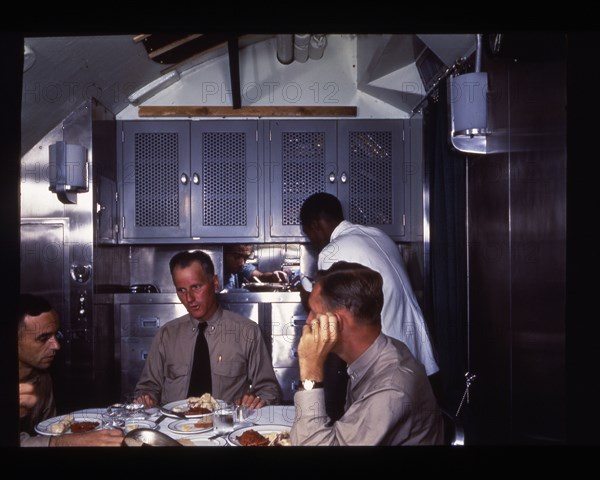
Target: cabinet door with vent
[(155, 180), (225, 193), (371, 181), (302, 160)]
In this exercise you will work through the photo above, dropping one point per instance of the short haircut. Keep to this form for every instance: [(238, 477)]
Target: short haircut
[(321, 205), (31, 305), (354, 287), (186, 258)]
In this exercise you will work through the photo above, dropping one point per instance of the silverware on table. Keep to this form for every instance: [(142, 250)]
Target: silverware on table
[(222, 434)]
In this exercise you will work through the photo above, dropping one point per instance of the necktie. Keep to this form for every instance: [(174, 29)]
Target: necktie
[(200, 381)]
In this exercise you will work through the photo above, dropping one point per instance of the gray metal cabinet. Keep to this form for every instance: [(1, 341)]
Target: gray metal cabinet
[(225, 179), (359, 161), (301, 155), (284, 321), (154, 171), (245, 180), (139, 323), (184, 181), (371, 178)]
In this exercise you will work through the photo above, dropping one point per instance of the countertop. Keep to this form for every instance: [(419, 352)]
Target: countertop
[(238, 296)]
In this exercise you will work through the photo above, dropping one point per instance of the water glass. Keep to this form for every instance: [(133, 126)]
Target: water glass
[(224, 418), (115, 415)]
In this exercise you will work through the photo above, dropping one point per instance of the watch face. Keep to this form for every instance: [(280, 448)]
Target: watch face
[(308, 384)]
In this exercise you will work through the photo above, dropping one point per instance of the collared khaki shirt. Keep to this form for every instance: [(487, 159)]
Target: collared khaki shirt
[(389, 402), (238, 358)]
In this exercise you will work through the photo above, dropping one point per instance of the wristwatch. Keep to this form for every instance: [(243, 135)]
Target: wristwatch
[(309, 384)]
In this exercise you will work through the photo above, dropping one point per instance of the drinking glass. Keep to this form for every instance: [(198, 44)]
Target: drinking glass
[(224, 418)]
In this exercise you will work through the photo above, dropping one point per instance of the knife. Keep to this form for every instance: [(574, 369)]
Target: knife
[(171, 412), (160, 419)]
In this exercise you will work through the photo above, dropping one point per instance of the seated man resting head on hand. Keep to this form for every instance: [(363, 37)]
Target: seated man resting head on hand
[(389, 398)]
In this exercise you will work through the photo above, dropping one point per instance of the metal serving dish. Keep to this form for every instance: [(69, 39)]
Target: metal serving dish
[(267, 287), (145, 437)]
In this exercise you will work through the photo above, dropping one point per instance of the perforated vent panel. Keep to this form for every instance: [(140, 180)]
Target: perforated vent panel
[(303, 167), (224, 179), (370, 179), (156, 182)]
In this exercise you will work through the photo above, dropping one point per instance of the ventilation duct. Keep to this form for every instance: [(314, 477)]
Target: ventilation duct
[(403, 70)]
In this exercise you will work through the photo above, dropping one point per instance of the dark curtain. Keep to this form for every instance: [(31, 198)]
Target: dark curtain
[(447, 293)]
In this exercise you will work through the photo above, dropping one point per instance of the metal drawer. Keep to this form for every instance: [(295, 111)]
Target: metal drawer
[(285, 319), (134, 351), (285, 350), (141, 320), (248, 310)]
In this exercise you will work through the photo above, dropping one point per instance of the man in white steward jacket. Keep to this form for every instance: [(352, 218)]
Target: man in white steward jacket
[(337, 239)]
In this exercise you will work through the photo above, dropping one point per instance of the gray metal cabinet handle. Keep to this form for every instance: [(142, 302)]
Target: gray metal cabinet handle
[(184, 179), (149, 322), (195, 179)]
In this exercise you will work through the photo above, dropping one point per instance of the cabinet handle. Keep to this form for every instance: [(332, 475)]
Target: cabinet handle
[(331, 177), (184, 179), (196, 179), (150, 322), (343, 177)]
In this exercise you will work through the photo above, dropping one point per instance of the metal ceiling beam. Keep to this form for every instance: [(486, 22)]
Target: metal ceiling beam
[(234, 71)]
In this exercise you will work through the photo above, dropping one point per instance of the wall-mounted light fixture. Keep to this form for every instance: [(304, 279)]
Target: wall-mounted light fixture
[(68, 172), (468, 108)]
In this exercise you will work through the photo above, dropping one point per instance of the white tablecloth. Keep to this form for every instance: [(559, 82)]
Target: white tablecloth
[(269, 415)]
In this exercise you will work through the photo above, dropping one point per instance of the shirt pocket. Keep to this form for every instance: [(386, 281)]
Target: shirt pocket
[(231, 369)]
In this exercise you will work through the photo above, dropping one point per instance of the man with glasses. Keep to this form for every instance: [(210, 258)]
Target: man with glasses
[(238, 271), (38, 344)]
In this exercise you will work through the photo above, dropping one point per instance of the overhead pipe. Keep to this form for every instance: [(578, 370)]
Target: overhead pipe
[(478, 53), (285, 48), (301, 42), (317, 45)]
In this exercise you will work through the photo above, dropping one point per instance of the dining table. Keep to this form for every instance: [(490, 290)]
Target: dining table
[(268, 418)]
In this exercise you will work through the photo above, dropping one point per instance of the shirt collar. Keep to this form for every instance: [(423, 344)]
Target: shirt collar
[(211, 321), (342, 226), (358, 368)]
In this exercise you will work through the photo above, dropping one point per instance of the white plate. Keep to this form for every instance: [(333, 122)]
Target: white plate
[(181, 406), (262, 429), (44, 427), (135, 424), (205, 442), (186, 426)]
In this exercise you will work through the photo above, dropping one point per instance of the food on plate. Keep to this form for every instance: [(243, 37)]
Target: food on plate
[(204, 422), (252, 438), (63, 425), (78, 427), (281, 439), (198, 405)]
